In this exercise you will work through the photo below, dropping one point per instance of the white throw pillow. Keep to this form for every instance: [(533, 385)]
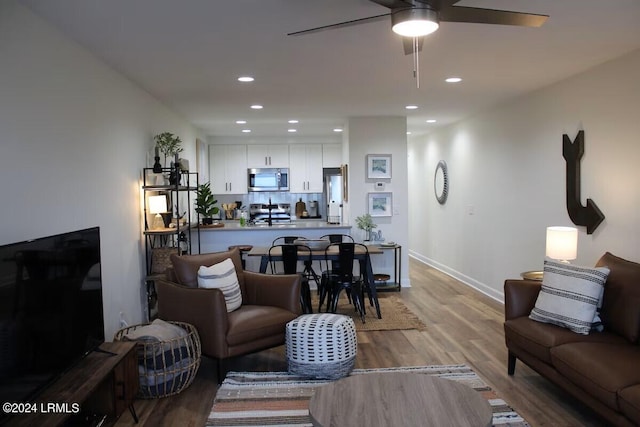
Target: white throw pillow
[(570, 295), (222, 276)]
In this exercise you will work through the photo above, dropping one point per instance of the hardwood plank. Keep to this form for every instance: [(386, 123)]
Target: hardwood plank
[(463, 326)]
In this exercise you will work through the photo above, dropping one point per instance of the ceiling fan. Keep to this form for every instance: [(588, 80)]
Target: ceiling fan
[(414, 19)]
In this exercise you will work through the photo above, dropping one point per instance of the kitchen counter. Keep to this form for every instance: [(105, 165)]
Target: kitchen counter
[(301, 225), (219, 239)]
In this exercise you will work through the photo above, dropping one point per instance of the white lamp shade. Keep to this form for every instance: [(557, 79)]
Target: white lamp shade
[(157, 204), (562, 243)]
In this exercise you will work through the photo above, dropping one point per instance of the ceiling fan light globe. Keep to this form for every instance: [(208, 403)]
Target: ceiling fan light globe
[(414, 22)]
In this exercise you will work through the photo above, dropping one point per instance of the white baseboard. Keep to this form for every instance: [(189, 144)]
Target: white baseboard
[(472, 283)]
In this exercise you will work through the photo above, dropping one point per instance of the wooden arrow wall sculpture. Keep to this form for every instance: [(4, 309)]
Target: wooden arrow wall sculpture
[(589, 216)]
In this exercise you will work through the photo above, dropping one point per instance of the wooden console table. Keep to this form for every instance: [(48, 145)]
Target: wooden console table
[(104, 384)]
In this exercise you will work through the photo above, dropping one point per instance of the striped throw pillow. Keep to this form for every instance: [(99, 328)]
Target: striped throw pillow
[(570, 296), (222, 276)]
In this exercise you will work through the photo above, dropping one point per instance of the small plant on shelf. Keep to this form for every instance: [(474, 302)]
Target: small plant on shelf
[(168, 144), (365, 222), (205, 203)]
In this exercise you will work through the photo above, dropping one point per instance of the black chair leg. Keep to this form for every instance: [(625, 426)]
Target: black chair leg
[(325, 292), (305, 297), (358, 301), (511, 364)]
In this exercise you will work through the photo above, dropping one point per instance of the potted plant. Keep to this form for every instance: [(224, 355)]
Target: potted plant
[(365, 222), (205, 203), (168, 144)]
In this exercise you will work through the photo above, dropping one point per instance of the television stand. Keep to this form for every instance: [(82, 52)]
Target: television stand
[(100, 350), (101, 386)]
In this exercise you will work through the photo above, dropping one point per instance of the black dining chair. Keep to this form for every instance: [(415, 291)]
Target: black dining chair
[(333, 265), (338, 238), (308, 272), (342, 278), (285, 240), (290, 255)]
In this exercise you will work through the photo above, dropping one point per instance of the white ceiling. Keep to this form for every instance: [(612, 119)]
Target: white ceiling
[(188, 54)]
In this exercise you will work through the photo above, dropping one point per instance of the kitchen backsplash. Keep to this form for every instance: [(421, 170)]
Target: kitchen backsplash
[(276, 197)]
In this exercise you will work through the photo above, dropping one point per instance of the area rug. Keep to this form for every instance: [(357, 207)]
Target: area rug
[(282, 399), (395, 315)]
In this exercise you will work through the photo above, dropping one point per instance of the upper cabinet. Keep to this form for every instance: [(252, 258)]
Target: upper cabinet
[(305, 172), (268, 156), (331, 155), (228, 169)]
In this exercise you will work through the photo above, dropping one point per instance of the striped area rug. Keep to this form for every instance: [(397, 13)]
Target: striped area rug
[(282, 399)]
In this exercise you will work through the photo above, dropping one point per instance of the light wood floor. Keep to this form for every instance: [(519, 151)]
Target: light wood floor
[(463, 326)]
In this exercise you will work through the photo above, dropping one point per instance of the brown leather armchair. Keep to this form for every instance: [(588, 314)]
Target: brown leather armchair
[(268, 303)]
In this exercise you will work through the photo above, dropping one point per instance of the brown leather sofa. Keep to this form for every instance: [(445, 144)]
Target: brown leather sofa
[(601, 369), (268, 303)]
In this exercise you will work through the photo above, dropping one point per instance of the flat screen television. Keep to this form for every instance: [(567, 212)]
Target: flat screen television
[(50, 310)]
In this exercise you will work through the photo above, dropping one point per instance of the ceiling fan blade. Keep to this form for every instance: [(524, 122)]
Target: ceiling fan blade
[(407, 43), (441, 4), (394, 4), (490, 16), (340, 24)]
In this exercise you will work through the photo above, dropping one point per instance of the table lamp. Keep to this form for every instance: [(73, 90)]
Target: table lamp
[(562, 243), (157, 205)]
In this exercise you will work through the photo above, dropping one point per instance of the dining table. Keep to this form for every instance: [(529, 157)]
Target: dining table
[(331, 254)]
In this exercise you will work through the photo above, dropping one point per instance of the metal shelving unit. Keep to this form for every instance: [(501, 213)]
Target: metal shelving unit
[(183, 226)]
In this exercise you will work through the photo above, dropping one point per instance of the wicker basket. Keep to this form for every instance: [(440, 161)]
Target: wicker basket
[(166, 367), (321, 346)]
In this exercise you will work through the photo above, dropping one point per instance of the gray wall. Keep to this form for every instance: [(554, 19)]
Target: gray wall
[(74, 137), (507, 178)]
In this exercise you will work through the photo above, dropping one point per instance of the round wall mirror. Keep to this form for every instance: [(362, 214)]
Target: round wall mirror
[(441, 182)]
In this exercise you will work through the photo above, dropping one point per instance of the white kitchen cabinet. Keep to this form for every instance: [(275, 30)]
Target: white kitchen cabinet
[(228, 169), (268, 156), (331, 155), (305, 172)]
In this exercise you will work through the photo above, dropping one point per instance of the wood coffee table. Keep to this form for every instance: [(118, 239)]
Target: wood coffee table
[(398, 399)]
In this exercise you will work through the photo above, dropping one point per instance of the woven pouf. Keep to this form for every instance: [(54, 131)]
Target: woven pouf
[(321, 346)]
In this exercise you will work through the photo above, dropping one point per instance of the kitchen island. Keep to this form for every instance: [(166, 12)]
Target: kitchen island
[(219, 239)]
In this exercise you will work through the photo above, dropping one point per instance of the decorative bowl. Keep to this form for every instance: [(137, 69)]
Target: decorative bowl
[(313, 244)]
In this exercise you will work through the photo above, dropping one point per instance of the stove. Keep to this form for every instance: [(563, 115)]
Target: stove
[(280, 213)]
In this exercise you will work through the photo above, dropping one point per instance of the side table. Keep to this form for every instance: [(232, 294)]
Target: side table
[(532, 275), (397, 268)]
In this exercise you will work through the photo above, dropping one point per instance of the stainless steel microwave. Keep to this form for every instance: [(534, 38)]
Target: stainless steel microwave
[(268, 179)]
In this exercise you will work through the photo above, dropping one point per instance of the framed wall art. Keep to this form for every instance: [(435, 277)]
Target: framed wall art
[(380, 204), (378, 166)]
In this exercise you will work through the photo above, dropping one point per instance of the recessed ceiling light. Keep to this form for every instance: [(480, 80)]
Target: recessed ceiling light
[(246, 130), (245, 79), (411, 107), (408, 133), (453, 80), (241, 122), (431, 121), (337, 130), (292, 130), (293, 121), (257, 107)]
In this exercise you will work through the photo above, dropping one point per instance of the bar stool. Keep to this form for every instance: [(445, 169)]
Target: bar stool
[(243, 249)]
